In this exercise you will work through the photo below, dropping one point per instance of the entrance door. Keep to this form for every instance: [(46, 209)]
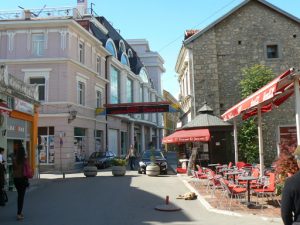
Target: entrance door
[(113, 141)]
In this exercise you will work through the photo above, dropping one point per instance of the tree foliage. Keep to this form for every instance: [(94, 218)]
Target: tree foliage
[(253, 79)]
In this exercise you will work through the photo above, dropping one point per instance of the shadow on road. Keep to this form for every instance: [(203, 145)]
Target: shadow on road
[(99, 200)]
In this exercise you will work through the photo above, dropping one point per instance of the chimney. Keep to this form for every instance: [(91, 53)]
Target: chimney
[(27, 14), (82, 7)]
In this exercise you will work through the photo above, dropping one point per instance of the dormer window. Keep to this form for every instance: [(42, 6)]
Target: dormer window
[(122, 46), (110, 46), (124, 59)]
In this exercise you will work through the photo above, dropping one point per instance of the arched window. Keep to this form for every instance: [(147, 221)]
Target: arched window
[(130, 54), (124, 59), (110, 46), (143, 75), (122, 46)]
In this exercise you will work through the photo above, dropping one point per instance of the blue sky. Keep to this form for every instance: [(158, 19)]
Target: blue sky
[(161, 22)]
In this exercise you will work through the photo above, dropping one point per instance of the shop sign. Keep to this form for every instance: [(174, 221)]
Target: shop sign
[(16, 128), (23, 106)]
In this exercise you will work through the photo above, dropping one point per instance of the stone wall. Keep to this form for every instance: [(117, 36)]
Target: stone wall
[(240, 41)]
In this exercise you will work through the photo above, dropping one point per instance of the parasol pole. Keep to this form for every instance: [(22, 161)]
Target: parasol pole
[(260, 141), (297, 103), (235, 138)]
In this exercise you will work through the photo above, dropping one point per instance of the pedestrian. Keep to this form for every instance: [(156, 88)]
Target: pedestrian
[(21, 182), (2, 177), (131, 155), (290, 201)]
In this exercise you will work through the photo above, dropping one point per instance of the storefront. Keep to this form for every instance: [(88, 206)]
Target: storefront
[(19, 121)]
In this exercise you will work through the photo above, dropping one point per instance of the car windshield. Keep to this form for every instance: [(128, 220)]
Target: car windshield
[(100, 154), (157, 154)]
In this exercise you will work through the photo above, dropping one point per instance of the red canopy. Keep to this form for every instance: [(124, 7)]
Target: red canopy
[(182, 136), (272, 94)]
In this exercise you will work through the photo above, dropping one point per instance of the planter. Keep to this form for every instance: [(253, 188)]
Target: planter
[(90, 171), (152, 170), (118, 170)]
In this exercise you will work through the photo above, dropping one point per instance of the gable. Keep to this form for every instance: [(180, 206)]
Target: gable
[(238, 9)]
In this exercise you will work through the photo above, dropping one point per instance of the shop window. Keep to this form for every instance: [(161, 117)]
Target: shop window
[(98, 140), (124, 143), (80, 144), (38, 43), (46, 153), (41, 83)]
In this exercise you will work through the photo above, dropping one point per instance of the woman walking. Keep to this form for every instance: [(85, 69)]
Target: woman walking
[(21, 182)]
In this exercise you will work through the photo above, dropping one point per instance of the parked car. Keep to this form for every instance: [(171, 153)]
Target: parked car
[(160, 160), (101, 159)]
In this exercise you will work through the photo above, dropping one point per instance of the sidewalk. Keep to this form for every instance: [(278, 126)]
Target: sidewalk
[(270, 211)]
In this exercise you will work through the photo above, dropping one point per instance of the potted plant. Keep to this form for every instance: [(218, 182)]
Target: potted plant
[(152, 169), (90, 170), (118, 166)]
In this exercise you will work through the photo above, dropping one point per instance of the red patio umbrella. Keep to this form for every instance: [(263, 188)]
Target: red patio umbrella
[(263, 100)]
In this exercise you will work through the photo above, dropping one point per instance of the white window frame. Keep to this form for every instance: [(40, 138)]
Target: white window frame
[(98, 65), (40, 44), (81, 51), (82, 79), (38, 73), (99, 89)]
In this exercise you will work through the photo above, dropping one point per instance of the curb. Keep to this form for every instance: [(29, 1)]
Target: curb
[(210, 208)]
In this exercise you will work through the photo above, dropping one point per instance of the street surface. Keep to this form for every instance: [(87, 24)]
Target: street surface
[(108, 200)]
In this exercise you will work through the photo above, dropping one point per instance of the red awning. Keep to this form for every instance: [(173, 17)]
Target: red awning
[(272, 94), (182, 136)]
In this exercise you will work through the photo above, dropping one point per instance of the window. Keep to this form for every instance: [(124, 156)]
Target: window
[(81, 93), (98, 99), (129, 90), (99, 65), (114, 85), (111, 47), (144, 76), (124, 60), (40, 82), (46, 152), (122, 46), (81, 52), (38, 41), (272, 51), (98, 140), (80, 145)]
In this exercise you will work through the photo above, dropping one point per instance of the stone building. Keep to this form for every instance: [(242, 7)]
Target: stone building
[(210, 61)]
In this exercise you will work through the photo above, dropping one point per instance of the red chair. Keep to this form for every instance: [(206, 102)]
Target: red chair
[(268, 189), (231, 191)]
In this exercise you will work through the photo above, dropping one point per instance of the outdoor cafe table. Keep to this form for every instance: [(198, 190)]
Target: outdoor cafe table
[(213, 165), (248, 179), (233, 173)]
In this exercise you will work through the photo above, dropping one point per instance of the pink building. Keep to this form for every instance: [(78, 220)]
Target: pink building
[(75, 59)]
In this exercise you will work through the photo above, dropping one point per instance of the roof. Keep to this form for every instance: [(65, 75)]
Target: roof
[(135, 62), (193, 37), (205, 118)]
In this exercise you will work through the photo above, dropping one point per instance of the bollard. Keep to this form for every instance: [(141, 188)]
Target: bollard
[(167, 199)]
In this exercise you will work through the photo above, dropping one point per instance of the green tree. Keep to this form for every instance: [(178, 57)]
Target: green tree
[(253, 79)]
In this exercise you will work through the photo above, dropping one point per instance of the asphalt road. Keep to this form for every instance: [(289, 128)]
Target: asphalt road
[(108, 200)]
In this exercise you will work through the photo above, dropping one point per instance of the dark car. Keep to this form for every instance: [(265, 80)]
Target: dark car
[(101, 159), (160, 160)]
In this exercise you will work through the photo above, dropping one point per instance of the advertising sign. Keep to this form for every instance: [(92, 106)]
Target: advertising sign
[(23, 106)]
